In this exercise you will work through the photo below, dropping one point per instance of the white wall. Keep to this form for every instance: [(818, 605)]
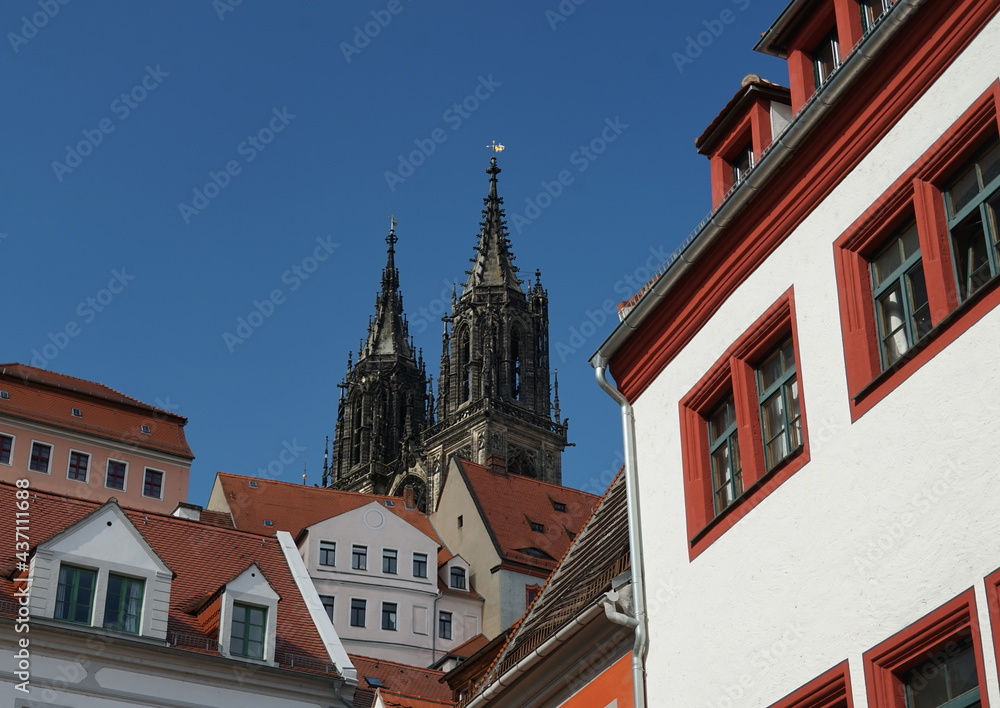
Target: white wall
[(791, 589)]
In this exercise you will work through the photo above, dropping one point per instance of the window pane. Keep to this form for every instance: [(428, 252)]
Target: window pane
[(892, 325), (722, 419), (971, 256), (963, 190), (989, 164), (887, 262), (921, 315)]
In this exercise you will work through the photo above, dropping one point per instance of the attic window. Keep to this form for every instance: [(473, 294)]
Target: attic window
[(5, 395), (389, 502), (76, 413), (535, 552), (253, 483), (374, 682), (559, 506), (540, 528), (145, 429), (268, 522)]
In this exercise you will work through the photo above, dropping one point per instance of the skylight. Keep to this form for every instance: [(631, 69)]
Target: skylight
[(76, 413)]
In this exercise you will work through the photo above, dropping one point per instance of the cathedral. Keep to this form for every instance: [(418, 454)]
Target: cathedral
[(494, 403)]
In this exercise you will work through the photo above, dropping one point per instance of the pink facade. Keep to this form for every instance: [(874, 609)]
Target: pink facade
[(85, 440)]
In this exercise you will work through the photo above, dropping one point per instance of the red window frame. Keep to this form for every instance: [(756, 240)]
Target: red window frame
[(993, 605), (909, 647), (149, 485), (917, 196), (829, 690), (109, 477), (79, 463), (735, 372)]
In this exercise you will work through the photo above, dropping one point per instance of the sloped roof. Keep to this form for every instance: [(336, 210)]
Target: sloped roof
[(401, 680), (467, 649), (397, 700), (599, 554), (751, 88), (294, 507), (47, 397), (510, 524), (192, 550), (222, 519)]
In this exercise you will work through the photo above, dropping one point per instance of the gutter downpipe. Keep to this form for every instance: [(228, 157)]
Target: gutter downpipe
[(641, 644)]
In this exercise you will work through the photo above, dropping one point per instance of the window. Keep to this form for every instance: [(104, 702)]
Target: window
[(934, 663), (872, 11), (972, 200), (780, 413), (153, 484), (389, 561), (359, 558), (419, 565), (40, 455), (460, 521), (328, 553), (144, 429), (389, 616), (899, 290), (826, 691), (358, 609), (920, 266), (826, 58), (457, 577), (123, 606), (249, 624), (6, 449), (540, 528), (530, 593), (78, 464), (444, 625), (327, 601), (742, 163), (724, 452), (76, 413), (743, 425), (75, 594), (559, 506), (115, 477)]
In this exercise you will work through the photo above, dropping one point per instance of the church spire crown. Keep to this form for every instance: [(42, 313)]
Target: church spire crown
[(493, 264), (388, 332)]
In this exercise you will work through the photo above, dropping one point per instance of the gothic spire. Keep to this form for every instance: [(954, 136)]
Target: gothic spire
[(388, 332), (493, 263)]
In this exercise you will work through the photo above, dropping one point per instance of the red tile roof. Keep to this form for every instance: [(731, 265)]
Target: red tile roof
[(398, 700), (222, 519), (403, 679), (470, 647), (192, 551), (47, 397), (511, 525), (293, 507)]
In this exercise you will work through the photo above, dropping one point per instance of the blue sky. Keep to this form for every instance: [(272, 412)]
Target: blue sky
[(170, 168)]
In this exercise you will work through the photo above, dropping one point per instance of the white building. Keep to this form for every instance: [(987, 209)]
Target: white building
[(389, 585), (111, 607), (813, 381)]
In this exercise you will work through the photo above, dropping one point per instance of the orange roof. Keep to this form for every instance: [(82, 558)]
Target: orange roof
[(403, 679), (534, 532), (192, 551), (222, 519), (47, 397), (398, 700), (294, 507), (470, 647)]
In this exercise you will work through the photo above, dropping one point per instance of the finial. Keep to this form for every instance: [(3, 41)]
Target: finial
[(538, 276), (555, 405), (392, 238), (496, 147)]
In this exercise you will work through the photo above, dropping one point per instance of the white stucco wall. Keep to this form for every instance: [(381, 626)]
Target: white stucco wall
[(801, 583)]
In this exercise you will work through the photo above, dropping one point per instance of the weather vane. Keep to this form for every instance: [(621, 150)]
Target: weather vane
[(392, 221), (496, 147)]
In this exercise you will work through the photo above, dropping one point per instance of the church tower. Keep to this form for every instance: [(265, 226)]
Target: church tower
[(494, 402), (384, 401)]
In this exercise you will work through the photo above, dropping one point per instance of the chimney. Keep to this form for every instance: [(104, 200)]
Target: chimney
[(409, 497), (184, 510)]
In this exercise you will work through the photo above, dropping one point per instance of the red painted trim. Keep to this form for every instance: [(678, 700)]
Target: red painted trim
[(801, 77), (910, 647), (736, 371), (993, 604), (916, 195), (830, 690), (866, 113)]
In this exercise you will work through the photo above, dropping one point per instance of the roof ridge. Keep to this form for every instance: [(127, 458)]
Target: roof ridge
[(143, 404), (380, 662), (511, 475), (299, 485)]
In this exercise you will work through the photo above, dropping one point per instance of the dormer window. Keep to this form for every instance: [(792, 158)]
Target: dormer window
[(559, 506), (538, 528), (872, 11), (826, 58), (5, 395), (145, 430), (123, 607), (248, 629), (77, 413), (75, 594), (457, 578), (742, 163)]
